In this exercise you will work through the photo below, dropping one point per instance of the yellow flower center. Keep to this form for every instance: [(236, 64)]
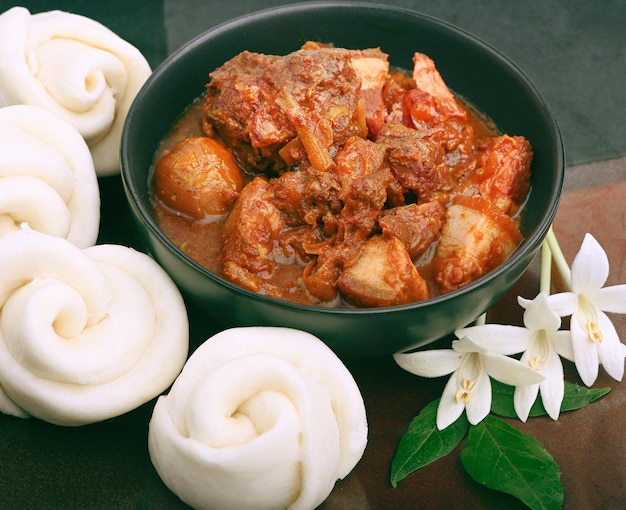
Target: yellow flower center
[(588, 316), (540, 350), (593, 333), (469, 372), (465, 393)]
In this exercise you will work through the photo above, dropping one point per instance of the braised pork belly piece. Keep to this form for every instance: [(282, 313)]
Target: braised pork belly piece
[(364, 185), (382, 274), (439, 103), (476, 238)]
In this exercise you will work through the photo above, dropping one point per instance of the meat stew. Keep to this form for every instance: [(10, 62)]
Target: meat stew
[(327, 177)]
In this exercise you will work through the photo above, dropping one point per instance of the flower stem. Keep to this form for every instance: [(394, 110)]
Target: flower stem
[(545, 279), (559, 259)]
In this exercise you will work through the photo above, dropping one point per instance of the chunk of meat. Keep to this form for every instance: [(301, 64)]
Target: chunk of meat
[(437, 101), (308, 95), (199, 178), (320, 275), (504, 172), (364, 179), (397, 85), (382, 274), (233, 96), (281, 277), (372, 69), (476, 237), (252, 230), (433, 111), (313, 130), (417, 226), (309, 197), (416, 162), (358, 158)]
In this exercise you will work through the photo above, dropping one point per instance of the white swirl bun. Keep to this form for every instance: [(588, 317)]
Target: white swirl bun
[(259, 418), (76, 68), (47, 178), (85, 335)]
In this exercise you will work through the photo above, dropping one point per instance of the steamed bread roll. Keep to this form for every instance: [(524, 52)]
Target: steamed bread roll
[(76, 68), (47, 178), (259, 418), (85, 335)]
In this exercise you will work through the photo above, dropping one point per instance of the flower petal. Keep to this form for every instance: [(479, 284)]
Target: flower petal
[(610, 350), (563, 303), (449, 408), (538, 315), (590, 267), (585, 354), (523, 399), (466, 344), (510, 371), (433, 363), (553, 387), (562, 342), (523, 302), (479, 404), (612, 299), (497, 338)]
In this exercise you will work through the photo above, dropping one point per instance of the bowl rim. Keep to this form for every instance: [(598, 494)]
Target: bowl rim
[(528, 243)]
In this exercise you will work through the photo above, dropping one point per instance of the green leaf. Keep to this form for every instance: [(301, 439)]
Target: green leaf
[(579, 396), (575, 397), (502, 399), (505, 459), (423, 443)]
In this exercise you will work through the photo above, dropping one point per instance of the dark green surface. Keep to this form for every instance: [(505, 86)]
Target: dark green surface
[(573, 50)]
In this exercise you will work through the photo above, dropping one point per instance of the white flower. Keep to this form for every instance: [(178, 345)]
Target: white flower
[(542, 343), (545, 344), (469, 386), (594, 338)]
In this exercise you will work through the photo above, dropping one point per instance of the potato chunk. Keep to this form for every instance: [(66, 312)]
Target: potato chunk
[(199, 177)]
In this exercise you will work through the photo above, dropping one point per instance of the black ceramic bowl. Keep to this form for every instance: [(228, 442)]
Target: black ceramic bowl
[(470, 67)]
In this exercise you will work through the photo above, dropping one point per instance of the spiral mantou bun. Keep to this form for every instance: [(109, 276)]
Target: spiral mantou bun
[(47, 178), (85, 335), (259, 418), (76, 68)]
